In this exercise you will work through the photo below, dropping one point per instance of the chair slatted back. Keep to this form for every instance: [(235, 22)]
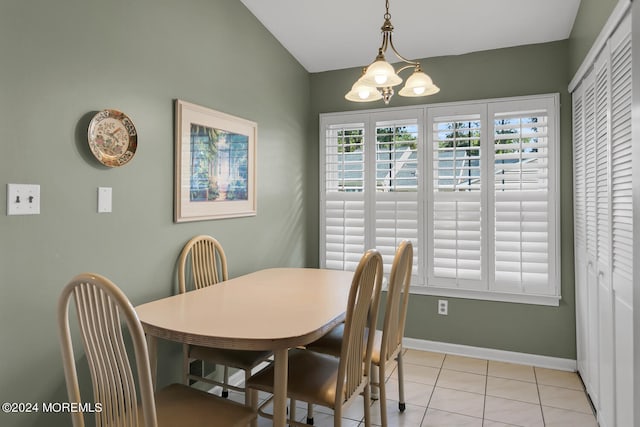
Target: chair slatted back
[(207, 266), (99, 307), (397, 300), (364, 297)]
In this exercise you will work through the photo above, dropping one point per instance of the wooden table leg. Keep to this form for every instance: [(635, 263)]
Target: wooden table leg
[(281, 361), (152, 348)]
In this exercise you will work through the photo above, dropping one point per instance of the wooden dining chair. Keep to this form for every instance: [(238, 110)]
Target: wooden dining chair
[(203, 263), (100, 305), (325, 380), (387, 342)]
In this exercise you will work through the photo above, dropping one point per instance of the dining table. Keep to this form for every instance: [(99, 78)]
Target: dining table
[(272, 309)]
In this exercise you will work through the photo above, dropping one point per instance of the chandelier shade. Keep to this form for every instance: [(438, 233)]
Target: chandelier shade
[(360, 92), (380, 76), (419, 84)]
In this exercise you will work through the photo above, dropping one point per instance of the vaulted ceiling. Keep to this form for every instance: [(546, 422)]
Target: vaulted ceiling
[(334, 34)]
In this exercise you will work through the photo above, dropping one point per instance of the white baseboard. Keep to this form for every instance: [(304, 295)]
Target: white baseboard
[(476, 352), (492, 354)]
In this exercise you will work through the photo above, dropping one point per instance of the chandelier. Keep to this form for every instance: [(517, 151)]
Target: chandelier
[(379, 77)]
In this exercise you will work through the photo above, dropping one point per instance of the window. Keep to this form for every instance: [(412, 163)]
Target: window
[(472, 185)]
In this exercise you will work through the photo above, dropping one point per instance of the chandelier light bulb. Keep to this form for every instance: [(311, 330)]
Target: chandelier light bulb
[(363, 92)]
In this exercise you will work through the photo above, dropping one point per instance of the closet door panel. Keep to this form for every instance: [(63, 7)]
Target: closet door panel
[(582, 318), (606, 369), (590, 225), (622, 221)]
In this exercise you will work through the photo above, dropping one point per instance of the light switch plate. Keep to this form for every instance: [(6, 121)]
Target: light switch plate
[(23, 199), (104, 199)]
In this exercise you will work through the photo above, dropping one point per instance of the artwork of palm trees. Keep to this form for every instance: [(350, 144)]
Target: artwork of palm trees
[(219, 165)]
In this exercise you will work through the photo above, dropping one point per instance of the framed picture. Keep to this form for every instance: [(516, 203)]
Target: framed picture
[(215, 169)]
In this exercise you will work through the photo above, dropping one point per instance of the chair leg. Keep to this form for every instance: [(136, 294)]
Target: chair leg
[(310, 414), (382, 389), (292, 411), (185, 364), (247, 397), (225, 391), (337, 416), (401, 404), (367, 406), (253, 403)]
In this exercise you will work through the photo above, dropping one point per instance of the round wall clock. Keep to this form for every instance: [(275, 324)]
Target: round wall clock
[(113, 138)]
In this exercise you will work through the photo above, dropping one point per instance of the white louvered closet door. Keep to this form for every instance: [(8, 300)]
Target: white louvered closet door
[(590, 284), (580, 251), (603, 239), (603, 226), (622, 221)]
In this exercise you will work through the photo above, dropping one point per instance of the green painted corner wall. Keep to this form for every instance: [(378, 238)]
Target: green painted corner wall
[(64, 60), (526, 70), (591, 17)]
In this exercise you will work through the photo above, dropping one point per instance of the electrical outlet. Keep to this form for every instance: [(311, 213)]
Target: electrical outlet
[(443, 307), (23, 199)]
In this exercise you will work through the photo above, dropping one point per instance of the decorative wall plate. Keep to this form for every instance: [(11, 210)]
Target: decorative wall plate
[(113, 138)]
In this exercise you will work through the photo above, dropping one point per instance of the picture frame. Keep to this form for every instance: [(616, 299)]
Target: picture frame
[(215, 164)]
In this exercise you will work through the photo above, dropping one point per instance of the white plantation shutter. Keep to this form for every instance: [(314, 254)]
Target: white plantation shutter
[(455, 217), (343, 216), (523, 191), (396, 188), (472, 185)]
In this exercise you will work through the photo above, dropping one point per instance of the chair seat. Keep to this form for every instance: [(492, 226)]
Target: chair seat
[(179, 405), (332, 342), (239, 359), (312, 378)]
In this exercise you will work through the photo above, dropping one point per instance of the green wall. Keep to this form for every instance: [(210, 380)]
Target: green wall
[(591, 17), (60, 62), (533, 69)]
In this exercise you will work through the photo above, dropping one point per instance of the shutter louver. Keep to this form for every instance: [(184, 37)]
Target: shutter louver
[(344, 207), (521, 190), (621, 159), (457, 207)]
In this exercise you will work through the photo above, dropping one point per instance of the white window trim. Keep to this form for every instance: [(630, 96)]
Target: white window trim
[(369, 117)]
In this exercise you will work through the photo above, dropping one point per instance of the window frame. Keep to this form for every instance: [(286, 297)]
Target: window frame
[(424, 114)]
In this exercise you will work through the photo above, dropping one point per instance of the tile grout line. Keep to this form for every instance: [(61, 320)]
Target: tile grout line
[(486, 387)]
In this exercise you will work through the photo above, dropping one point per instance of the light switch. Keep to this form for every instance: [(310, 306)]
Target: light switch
[(104, 199), (23, 199)]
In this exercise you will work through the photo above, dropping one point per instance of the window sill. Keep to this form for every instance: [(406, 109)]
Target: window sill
[(548, 300)]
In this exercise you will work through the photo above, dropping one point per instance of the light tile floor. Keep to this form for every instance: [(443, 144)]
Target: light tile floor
[(448, 390)]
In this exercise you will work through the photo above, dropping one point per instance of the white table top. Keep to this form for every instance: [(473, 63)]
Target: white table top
[(266, 310)]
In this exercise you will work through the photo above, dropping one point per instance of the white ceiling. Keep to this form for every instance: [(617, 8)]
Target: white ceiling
[(334, 34)]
